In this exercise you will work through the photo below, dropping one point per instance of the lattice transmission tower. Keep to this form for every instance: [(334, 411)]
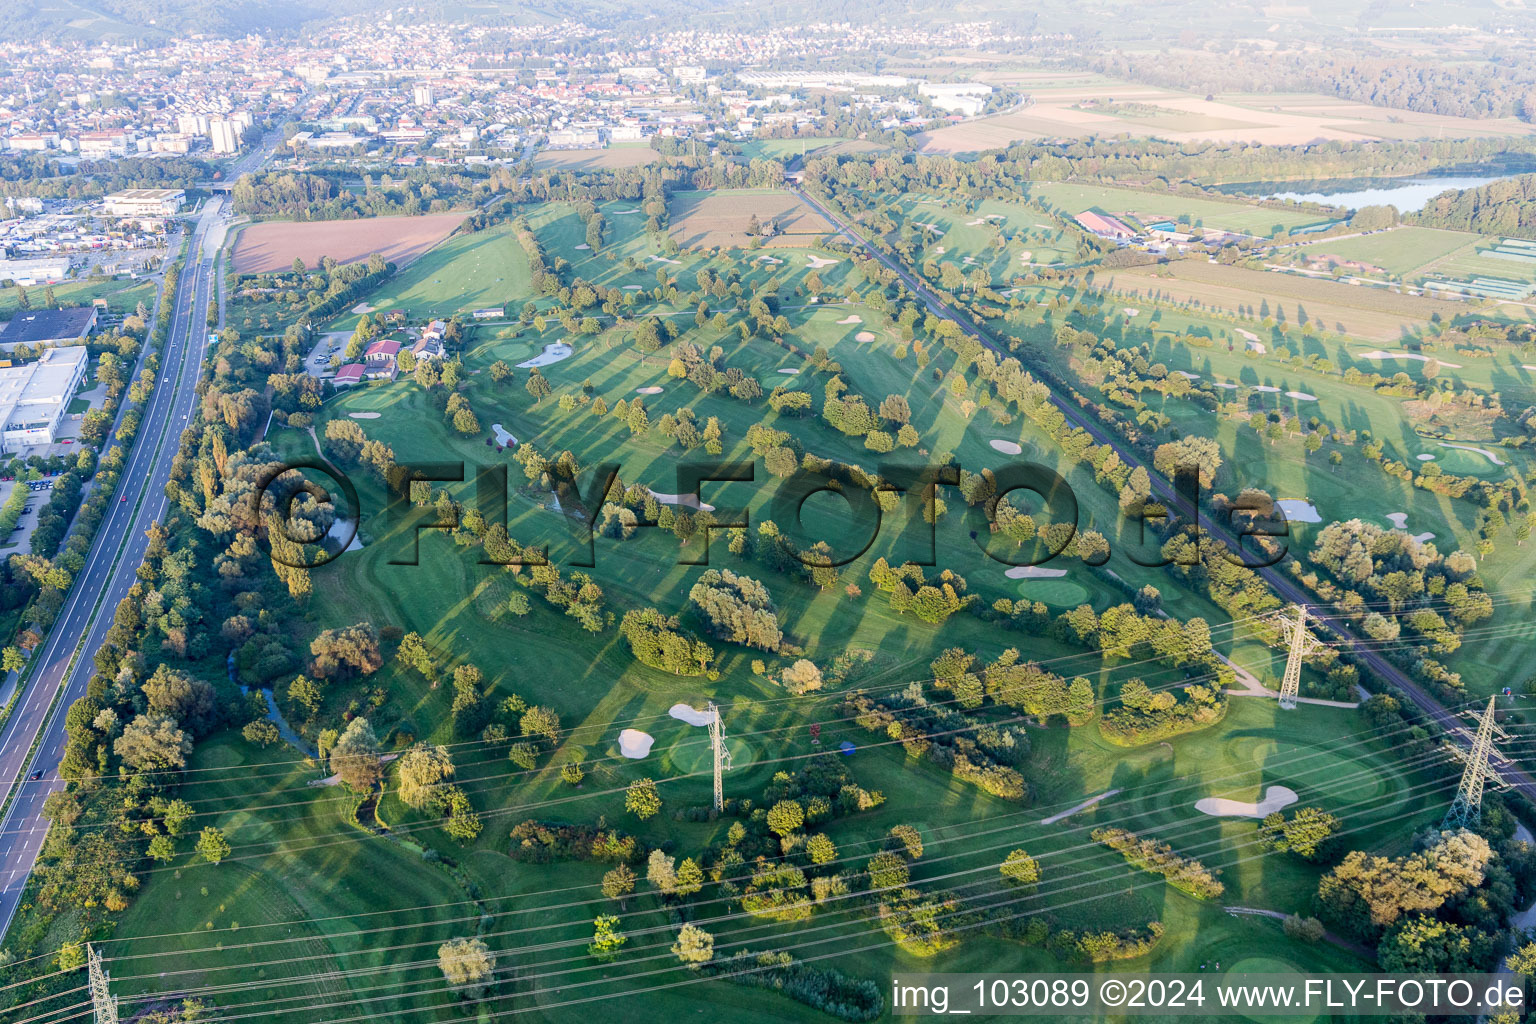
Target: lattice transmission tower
[(1466, 810), (1300, 644), (721, 752), (101, 988)]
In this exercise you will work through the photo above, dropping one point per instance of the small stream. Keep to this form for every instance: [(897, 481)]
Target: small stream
[(274, 715)]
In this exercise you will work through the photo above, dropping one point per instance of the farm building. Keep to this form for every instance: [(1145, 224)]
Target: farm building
[(1104, 227), (491, 313)]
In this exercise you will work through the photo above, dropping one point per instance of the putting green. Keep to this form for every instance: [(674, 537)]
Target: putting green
[(690, 753), (1270, 965), (1058, 593)]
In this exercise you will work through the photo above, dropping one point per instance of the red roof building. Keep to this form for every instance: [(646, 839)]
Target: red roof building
[(348, 375), (382, 351), (1104, 227)]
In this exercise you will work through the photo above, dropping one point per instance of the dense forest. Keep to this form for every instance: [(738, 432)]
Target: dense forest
[(1505, 207)]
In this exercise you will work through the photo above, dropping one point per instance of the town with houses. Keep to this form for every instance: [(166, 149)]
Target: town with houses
[(381, 95)]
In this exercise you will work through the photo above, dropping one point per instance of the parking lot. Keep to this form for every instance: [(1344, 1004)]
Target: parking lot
[(18, 541)]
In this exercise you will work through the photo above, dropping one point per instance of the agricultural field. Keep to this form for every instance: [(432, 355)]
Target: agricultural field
[(1403, 252), (274, 245), (1372, 313), (719, 219), (788, 149), (606, 159), (1078, 106)]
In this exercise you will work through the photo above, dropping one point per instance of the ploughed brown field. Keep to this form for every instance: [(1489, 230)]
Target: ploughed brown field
[(274, 245)]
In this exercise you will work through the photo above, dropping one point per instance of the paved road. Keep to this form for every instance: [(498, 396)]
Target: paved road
[(108, 574), (1282, 584)]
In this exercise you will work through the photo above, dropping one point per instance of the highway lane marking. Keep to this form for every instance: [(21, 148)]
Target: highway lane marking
[(50, 723)]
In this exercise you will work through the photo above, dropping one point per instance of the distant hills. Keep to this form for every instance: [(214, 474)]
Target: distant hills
[(153, 21), (1111, 22)]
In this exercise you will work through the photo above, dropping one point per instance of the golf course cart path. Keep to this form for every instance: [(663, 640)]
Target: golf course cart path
[(1053, 819)]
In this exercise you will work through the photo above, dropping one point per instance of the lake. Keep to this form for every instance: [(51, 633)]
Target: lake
[(1407, 194)]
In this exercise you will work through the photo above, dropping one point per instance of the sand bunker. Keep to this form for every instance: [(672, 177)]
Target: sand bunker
[(1397, 519), (864, 337), (1034, 572), (1301, 395), (363, 307), (1007, 447), (635, 744), (1527, 366), (689, 500), (633, 210), (768, 259), (1481, 451), (364, 415), (1223, 384), (1026, 256), (684, 713), (941, 251), (1299, 510), (790, 370), (817, 262), (1379, 354), (634, 288), (1249, 335), (1425, 457), (1266, 388), (1186, 374), (663, 259), (583, 245), (1128, 311), (503, 438), (1422, 537), (845, 321), (552, 354), (1275, 798), (652, 390)]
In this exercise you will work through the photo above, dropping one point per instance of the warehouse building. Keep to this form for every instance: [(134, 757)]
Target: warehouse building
[(145, 202), (34, 396), (48, 327)]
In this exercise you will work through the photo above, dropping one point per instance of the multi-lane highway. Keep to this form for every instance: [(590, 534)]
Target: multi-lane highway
[(1283, 584), (34, 737)]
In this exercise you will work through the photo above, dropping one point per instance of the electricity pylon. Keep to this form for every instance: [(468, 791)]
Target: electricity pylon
[(1301, 644), (1467, 809), (722, 755), (101, 988)]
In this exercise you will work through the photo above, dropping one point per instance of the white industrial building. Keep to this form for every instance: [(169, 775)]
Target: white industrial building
[(28, 272), (34, 396), (967, 98), (145, 202)]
